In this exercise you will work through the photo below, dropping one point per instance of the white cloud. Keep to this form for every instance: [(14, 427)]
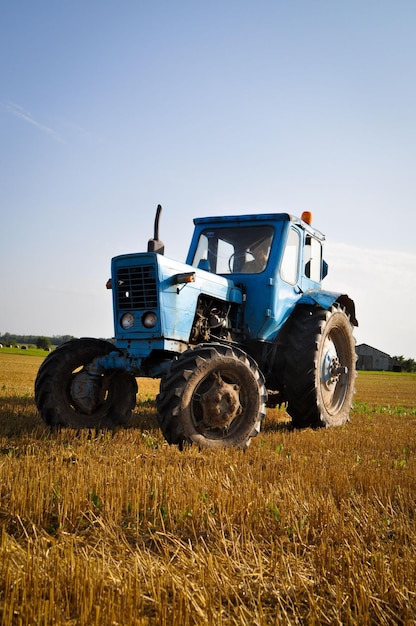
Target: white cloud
[(382, 284), (21, 113)]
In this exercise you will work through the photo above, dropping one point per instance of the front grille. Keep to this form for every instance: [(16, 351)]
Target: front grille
[(136, 287)]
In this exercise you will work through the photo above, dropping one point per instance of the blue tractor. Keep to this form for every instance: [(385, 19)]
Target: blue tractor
[(242, 324)]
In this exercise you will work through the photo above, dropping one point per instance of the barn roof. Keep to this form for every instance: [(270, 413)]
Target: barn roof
[(364, 347)]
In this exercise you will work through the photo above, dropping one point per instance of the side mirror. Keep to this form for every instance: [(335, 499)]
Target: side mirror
[(204, 264)]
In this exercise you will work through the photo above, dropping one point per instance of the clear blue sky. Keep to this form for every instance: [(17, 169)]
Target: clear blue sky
[(109, 108)]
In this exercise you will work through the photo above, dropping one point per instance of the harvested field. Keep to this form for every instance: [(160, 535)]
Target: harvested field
[(118, 528)]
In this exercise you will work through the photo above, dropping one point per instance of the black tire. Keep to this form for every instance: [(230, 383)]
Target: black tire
[(213, 396), (115, 391), (320, 367)]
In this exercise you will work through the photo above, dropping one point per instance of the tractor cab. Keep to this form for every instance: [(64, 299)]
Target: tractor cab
[(273, 258)]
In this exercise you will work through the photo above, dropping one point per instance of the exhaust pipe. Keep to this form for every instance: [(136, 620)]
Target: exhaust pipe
[(154, 245)]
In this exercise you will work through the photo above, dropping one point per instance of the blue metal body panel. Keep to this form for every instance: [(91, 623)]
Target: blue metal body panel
[(324, 299), (175, 307)]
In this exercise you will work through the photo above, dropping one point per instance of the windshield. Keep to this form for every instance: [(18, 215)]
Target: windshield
[(237, 250)]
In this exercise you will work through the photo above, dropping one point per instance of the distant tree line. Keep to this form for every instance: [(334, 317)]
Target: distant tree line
[(406, 365), (8, 339), (40, 341)]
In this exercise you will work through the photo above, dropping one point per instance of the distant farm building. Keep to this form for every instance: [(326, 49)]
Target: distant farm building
[(372, 359)]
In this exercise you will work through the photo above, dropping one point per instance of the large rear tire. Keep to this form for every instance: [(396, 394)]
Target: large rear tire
[(320, 367), (213, 396), (114, 393)]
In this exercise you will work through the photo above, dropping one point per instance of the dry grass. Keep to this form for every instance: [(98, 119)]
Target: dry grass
[(310, 527)]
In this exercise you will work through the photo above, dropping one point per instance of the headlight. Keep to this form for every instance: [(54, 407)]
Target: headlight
[(127, 321), (149, 319)]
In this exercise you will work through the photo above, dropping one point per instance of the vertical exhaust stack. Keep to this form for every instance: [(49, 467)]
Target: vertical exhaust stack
[(154, 245)]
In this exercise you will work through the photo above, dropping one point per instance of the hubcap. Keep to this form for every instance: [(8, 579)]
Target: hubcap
[(86, 392), (334, 375), (332, 369), (220, 404)]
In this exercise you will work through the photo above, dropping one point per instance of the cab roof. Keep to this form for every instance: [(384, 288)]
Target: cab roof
[(258, 218)]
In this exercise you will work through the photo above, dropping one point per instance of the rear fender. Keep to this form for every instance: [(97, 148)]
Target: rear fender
[(326, 299)]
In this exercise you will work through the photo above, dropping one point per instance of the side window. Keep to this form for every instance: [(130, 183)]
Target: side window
[(224, 252), (290, 261), (313, 259), (201, 254)]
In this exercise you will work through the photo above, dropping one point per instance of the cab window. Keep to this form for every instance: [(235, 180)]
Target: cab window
[(289, 268), (242, 250)]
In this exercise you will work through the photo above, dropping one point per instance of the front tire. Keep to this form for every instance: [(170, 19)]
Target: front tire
[(320, 367), (114, 393), (213, 396)]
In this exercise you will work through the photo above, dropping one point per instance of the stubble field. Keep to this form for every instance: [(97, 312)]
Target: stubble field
[(307, 527)]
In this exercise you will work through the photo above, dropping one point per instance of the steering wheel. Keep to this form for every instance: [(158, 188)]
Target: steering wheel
[(239, 259)]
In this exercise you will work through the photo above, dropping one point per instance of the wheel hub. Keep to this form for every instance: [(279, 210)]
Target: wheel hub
[(86, 392), (220, 404), (332, 369)]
